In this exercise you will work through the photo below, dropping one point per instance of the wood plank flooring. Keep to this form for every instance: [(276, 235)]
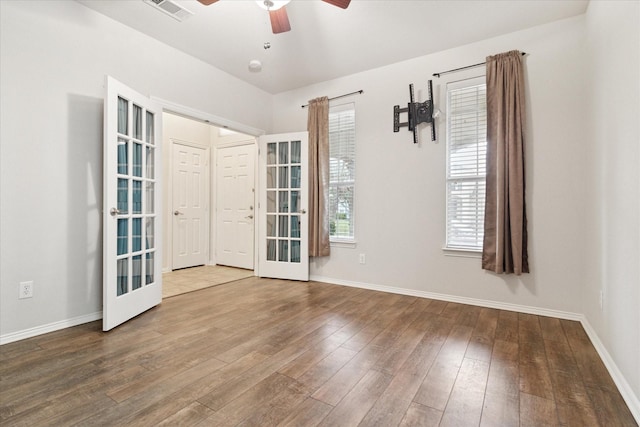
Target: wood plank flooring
[(260, 352)]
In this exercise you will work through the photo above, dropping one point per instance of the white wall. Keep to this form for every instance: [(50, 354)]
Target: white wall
[(53, 58), (613, 145), (400, 187)]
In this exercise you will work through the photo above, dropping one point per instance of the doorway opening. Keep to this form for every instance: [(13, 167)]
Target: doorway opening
[(209, 201)]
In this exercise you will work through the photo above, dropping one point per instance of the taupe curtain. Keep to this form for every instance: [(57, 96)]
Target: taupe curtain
[(505, 219), (318, 127)]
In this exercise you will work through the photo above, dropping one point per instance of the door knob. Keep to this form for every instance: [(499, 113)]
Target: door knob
[(176, 213), (115, 211), (302, 211)]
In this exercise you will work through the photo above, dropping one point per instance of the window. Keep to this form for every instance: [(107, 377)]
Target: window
[(342, 162), (466, 163)]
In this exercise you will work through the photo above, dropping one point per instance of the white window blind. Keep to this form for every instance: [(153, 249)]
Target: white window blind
[(342, 162), (466, 163)]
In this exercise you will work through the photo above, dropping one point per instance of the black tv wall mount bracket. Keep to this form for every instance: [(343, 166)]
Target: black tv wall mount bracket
[(417, 112)]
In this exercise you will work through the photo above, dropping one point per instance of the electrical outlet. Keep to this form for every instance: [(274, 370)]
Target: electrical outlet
[(362, 259), (25, 290)]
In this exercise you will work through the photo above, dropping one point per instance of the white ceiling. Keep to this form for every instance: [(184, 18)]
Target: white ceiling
[(326, 42)]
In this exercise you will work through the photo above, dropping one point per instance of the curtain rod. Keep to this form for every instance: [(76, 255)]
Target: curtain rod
[(341, 96), (464, 68)]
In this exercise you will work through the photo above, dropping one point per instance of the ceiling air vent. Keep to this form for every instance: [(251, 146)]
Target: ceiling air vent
[(171, 8)]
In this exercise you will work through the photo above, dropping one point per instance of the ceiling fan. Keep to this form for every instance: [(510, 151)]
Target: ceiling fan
[(278, 13)]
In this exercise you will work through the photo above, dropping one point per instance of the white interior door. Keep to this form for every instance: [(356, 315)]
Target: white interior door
[(132, 279), (235, 201), (284, 187), (190, 202)]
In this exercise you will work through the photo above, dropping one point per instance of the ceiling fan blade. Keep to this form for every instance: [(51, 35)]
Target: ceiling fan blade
[(207, 2), (340, 3), (279, 21)]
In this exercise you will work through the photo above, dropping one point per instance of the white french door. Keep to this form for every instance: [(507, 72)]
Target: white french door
[(235, 200), (132, 279), (190, 206), (284, 226)]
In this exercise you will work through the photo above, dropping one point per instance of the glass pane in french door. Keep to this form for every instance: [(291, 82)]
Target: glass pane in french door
[(294, 185), (136, 244), (149, 268)]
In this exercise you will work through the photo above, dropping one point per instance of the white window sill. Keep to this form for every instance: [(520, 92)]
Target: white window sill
[(462, 253), (343, 243)]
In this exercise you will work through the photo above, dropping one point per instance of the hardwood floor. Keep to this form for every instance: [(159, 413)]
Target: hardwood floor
[(259, 352)]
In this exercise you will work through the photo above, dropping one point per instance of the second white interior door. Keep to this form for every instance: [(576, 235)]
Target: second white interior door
[(235, 212), (190, 213)]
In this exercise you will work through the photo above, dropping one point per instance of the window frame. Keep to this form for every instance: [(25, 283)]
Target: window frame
[(456, 248), (344, 241)]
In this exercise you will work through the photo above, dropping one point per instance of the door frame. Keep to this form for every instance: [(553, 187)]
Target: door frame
[(193, 114)]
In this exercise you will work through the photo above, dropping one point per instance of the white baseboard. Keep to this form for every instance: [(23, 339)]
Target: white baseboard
[(453, 298), (625, 389), (633, 402), (51, 327)]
